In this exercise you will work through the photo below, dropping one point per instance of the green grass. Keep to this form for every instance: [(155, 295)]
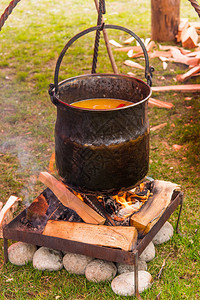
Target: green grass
[(30, 42)]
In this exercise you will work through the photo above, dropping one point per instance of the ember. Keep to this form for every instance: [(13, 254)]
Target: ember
[(123, 205)]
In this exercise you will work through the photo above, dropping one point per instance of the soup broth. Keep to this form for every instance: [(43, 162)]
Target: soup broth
[(101, 103)]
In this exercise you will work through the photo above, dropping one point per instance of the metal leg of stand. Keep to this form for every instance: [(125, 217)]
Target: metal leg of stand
[(136, 277), (179, 215), (5, 246)]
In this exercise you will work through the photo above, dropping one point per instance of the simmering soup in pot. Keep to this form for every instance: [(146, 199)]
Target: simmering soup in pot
[(101, 103)]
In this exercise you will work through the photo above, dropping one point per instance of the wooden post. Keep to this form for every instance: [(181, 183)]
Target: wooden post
[(165, 16)]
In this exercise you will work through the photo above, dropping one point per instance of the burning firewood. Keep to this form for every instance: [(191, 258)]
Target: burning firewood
[(122, 237), (153, 209), (36, 212), (68, 199)]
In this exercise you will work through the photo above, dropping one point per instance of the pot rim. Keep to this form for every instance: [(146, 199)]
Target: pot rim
[(58, 101)]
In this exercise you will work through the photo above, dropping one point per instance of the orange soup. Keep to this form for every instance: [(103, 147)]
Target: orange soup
[(101, 103)]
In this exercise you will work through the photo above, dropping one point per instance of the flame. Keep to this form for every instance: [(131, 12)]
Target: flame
[(51, 163), (79, 196), (128, 199)]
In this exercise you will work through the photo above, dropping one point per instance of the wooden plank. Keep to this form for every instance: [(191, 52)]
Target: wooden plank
[(123, 237), (159, 103), (187, 75), (158, 53), (196, 25), (126, 49), (182, 26), (129, 40), (133, 64), (192, 88), (114, 43), (68, 199), (178, 57), (189, 38), (6, 213), (153, 209), (157, 127)]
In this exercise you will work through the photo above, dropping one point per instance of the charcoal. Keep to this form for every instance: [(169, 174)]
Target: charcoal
[(57, 211)]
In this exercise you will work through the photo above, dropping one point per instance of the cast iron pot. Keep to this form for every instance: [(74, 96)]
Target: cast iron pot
[(101, 152)]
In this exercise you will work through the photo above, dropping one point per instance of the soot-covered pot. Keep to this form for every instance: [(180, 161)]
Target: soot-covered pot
[(101, 151)]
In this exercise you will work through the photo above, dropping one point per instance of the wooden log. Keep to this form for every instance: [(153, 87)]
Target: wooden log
[(153, 209), (149, 47), (126, 49), (178, 57), (133, 64), (157, 127), (6, 213), (182, 26), (129, 40), (189, 38), (159, 103), (193, 54), (114, 43), (165, 47), (165, 16), (36, 212), (68, 199), (192, 88), (189, 74), (123, 237), (157, 53), (196, 25)]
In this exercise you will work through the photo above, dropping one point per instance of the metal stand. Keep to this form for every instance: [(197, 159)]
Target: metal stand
[(14, 231)]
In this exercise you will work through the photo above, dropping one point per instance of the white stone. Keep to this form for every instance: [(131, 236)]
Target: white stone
[(47, 259), (100, 270), (164, 234), (123, 268), (149, 253), (76, 263), (124, 284), (21, 253)]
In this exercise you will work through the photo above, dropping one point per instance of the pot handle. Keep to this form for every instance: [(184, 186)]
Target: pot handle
[(148, 70)]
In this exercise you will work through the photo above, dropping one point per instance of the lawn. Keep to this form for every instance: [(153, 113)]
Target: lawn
[(30, 42)]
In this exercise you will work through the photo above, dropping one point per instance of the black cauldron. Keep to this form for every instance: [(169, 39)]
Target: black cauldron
[(101, 151)]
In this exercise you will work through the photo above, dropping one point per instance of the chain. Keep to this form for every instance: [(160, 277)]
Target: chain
[(97, 37), (196, 6), (7, 12)]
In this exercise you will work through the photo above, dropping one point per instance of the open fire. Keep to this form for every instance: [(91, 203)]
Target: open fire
[(123, 205)]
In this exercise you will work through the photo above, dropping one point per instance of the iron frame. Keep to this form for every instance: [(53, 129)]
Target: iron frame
[(12, 231)]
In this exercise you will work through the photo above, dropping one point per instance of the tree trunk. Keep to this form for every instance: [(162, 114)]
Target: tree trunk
[(165, 16)]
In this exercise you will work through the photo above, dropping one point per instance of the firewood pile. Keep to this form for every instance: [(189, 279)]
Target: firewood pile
[(186, 52)]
